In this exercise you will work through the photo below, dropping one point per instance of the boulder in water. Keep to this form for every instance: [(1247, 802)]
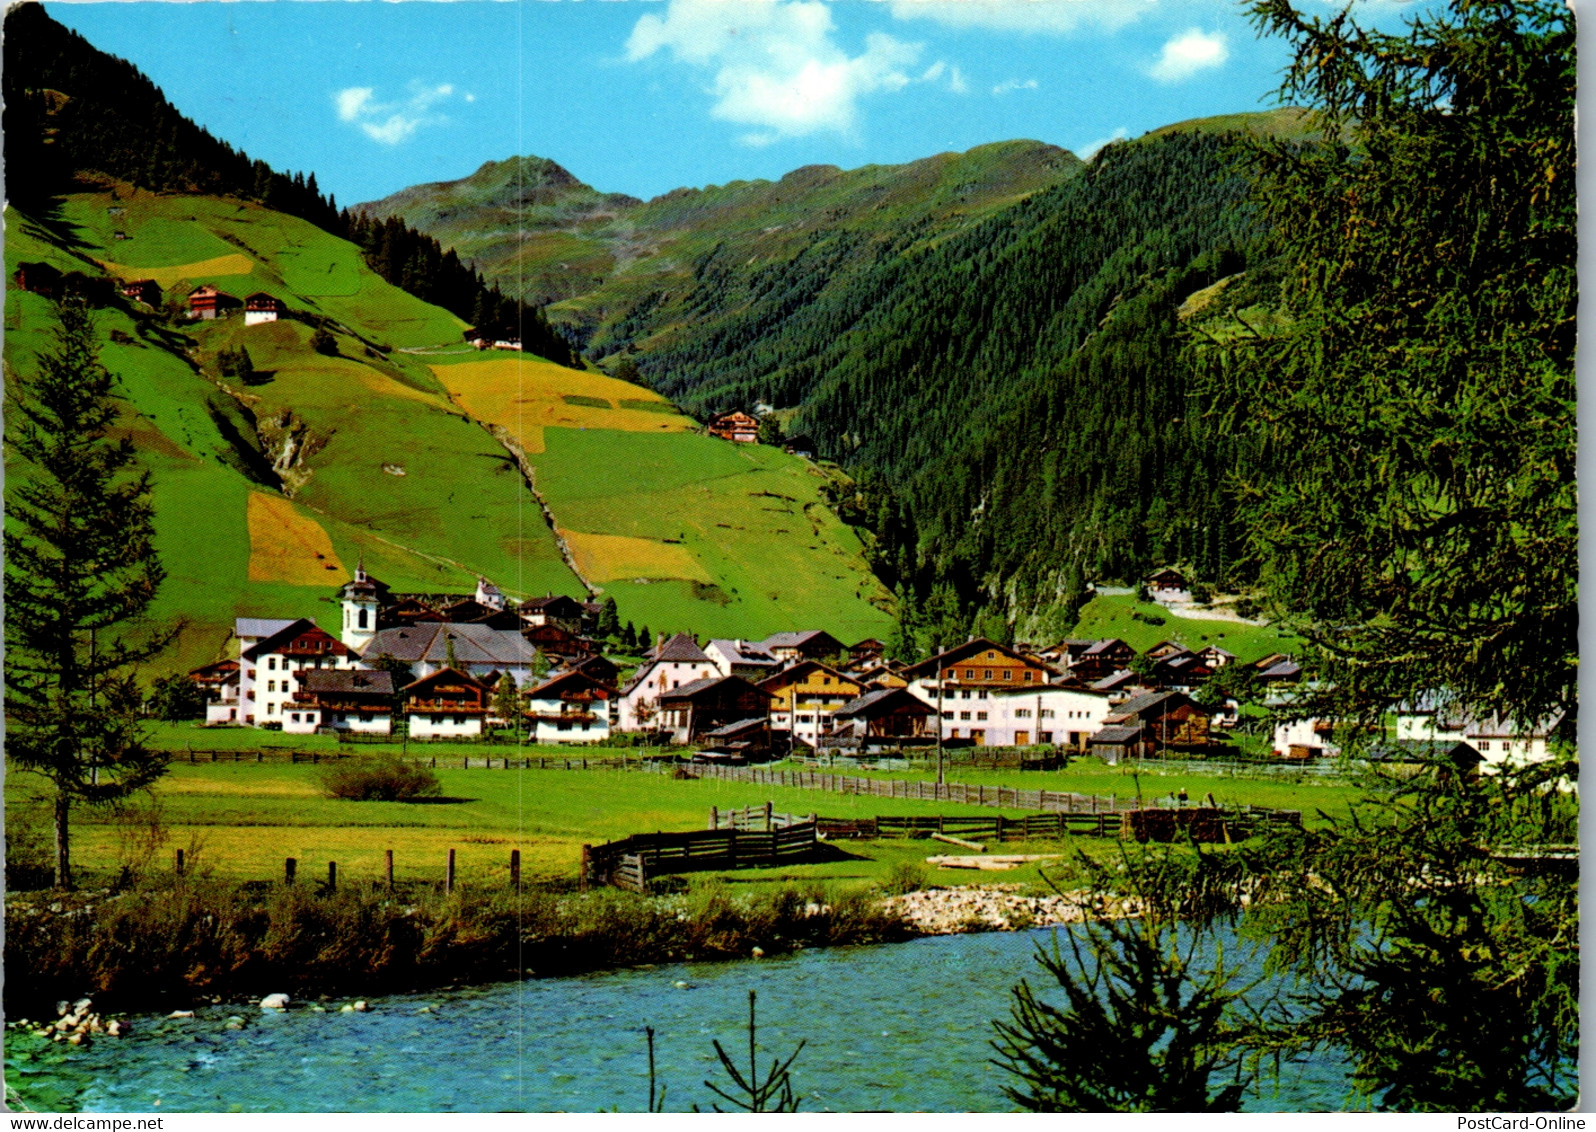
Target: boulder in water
[(274, 1002)]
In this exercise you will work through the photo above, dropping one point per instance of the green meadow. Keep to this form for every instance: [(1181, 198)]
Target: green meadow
[(751, 516), (1143, 624)]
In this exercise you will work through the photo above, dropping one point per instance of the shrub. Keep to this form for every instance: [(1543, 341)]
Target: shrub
[(379, 780), (903, 878), (323, 342)]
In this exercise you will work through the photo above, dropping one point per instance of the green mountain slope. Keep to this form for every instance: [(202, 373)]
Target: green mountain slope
[(608, 260), (270, 487)]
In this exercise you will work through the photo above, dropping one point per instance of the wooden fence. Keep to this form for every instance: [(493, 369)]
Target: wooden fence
[(631, 862), (753, 817), (1030, 827), (1006, 797)]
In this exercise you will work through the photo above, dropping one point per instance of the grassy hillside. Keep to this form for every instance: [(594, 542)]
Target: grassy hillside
[(685, 530), (269, 488), (1143, 624)]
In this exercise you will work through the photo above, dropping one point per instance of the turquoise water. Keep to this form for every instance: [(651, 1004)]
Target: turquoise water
[(900, 1027)]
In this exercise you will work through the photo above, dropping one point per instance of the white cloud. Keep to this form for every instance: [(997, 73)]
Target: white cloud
[(1014, 84), (1090, 149), (393, 122), (1054, 16), (776, 64), (956, 82), (1189, 53)]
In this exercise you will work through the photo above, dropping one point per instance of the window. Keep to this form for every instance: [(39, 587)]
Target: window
[(271, 663), (947, 715), (1007, 674), (969, 674), (1047, 713), (1022, 713), (988, 675), (954, 734), (295, 717), (1028, 675), (964, 715), (806, 719), (271, 709), (825, 680), (362, 617), (1044, 736), (991, 656), (980, 715), (966, 693), (981, 695), (271, 685)]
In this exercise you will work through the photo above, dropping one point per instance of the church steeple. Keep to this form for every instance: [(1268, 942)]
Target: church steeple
[(363, 598)]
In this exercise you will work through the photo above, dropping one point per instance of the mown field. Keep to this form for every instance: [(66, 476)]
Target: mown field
[(686, 531)]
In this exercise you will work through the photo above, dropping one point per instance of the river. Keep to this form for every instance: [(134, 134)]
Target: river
[(898, 1027)]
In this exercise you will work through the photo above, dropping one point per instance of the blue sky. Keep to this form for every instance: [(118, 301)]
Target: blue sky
[(643, 96)]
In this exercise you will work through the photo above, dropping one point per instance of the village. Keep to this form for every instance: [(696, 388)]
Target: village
[(464, 666)]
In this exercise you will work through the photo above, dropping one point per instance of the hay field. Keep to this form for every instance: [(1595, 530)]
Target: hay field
[(608, 558), (232, 264), (526, 395), (287, 545)]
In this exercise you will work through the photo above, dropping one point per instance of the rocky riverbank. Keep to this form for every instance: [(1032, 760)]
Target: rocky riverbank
[(996, 907)]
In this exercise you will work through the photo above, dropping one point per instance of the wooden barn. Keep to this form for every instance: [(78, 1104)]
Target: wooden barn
[(739, 427)]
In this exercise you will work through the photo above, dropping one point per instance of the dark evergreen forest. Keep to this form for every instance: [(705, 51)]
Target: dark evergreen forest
[(1017, 399), (71, 109)]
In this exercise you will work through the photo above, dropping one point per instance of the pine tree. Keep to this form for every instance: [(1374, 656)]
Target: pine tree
[(80, 573), (609, 620)]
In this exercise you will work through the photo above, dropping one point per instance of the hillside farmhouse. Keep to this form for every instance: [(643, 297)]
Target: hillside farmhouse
[(738, 427), (261, 307)]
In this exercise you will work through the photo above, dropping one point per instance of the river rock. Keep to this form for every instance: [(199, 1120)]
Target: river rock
[(682, 984), (361, 1007), (181, 1014), (758, 953), (318, 1008), (347, 1008), (275, 1002), (235, 1023)]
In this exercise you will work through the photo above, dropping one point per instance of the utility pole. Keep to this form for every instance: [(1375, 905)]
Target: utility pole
[(939, 720)]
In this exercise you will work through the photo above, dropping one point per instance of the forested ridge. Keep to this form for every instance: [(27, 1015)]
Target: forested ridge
[(71, 108), (1015, 397)]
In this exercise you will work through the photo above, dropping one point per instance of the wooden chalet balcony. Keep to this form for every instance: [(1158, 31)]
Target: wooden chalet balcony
[(561, 716), (454, 707)]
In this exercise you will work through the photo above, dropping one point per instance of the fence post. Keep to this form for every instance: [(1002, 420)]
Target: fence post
[(289, 866), (587, 854), (448, 876), (767, 817), (260, 756), (515, 869), (332, 876), (180, 862), (714, 817), (390, 870)]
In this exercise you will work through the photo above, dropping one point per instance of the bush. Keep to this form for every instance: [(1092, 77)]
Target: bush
[(379, 780), (903, 878), (323, 342)]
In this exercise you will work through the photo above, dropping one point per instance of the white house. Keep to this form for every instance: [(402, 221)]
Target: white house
[(1305, 738), (261, 307), (348, 699), (446, 704), (569, 707), (271, 654), (742, 658), (1042, 716), (1499, 741), (676, 661)]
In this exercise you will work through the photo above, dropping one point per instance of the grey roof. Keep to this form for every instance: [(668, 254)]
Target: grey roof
[(1114, 735), (744, 652), (1145, 702), (693, 687), (791, 640), (731, 729), (331, 680), (1282, 670), (680, 647), (1102, 645), (865, 702), (260, 627), (1113, 680), (473, 644)]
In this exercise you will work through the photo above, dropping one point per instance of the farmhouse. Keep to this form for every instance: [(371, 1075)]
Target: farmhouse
[(206, 302), (738, 427), (694, 710), (807, 644), (261, 307), (448, 704), (553, 609), (882, 717), (570, 707), (40, 278), (1099, 659), (806, 696), (1167, 585), (969, 675), (270, 652), (554, 640), (1167, 719), (741, 658), (1498, 740), (1044, 716), (676, 661), (343, 700), (146, 291)]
